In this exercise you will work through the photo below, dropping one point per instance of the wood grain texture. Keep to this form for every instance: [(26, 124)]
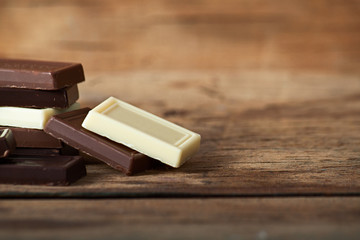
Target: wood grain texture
[(223, 218), (233, 34), (273, 87), (278, 144)]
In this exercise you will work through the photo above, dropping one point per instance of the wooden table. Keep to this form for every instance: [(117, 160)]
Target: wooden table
[(273, 87)]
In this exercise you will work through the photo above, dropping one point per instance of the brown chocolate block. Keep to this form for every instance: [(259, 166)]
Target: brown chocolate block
[(33, 138), (34, 98), (65, 150), (42, 170), (67, 127), (7, 142), (36, 152), (34, 74)]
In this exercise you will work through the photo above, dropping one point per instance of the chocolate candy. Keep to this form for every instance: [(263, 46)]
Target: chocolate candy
[(39, 74), (44, 170), (67, 127), (36, 152), (64, 150), (7, 142), (33, 138), (143, 131), (30, 117), (19, 97)]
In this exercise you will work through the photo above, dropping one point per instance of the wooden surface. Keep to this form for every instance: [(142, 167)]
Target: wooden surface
[(221, 218), (273, 87)]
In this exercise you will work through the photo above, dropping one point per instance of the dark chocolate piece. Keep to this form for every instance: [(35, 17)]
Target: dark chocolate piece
[(7, 142), (65, 150), (43, 170), (33, 74), (33, 138), (68, 150), (21, 97), (36, 152), (67, 127)]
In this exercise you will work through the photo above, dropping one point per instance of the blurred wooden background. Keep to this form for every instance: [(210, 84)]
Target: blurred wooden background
[(319, 35), (273, 87)]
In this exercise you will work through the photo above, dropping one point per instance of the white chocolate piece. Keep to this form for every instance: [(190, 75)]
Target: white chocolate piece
[(30, 117), (142, 131)]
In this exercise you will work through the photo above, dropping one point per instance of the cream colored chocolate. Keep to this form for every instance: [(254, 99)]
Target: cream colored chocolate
[(30, 117), (142, 131)]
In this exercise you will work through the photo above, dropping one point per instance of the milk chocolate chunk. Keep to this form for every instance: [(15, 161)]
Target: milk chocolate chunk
[(7, 142), (21, 97), (33, 138), (42, 170), (34, 74), (67, 127)]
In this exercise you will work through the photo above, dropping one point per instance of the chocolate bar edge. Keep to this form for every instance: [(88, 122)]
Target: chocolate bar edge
[(67, 75), (59, 175), (33, 138), (127, 163), (35, 98)]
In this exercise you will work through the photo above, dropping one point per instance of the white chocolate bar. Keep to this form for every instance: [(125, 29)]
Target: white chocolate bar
[(142, 131), (30, 117)]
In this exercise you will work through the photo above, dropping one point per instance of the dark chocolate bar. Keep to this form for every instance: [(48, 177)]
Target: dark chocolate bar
[(7, 142), (68, 150), (67, 127), (33, 138), (65, 150), (36, 152), (42, 170), (21, 97), (33, 74)]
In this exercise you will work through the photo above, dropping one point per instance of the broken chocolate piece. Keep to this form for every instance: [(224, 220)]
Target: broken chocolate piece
[(34, 74), (20, 97), (33, 138), (143, 131), (67, 127), (42, 170), (36, 152), (35, 118)]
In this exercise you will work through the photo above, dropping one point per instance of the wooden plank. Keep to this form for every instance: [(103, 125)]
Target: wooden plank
[(223, 218), (273, 88), (273, 144), (108, 35)]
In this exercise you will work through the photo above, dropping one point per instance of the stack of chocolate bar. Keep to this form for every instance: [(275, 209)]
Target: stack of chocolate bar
[(38, 113), (31, 92)]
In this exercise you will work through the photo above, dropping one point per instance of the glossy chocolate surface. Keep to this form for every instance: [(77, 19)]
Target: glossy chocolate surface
[(33, 138), (42, 170), (32, 74), (67, 127), (34, 98)]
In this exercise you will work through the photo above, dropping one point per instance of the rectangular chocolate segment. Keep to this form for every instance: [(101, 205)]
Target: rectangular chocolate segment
[(29, 117), (36, 152), (65, 150), (67, 127), (7, 142), (42, 170), (21, 97), (34, 74), (142, 131), (33, 138)]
